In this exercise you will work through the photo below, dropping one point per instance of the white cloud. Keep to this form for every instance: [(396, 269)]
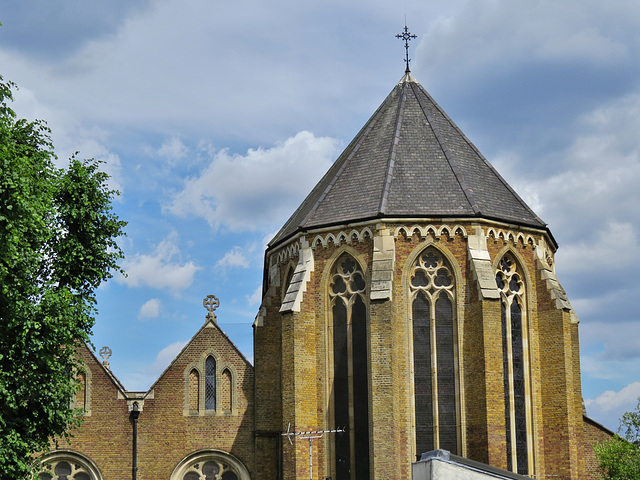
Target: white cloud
[(611, 400), (513, 33), (161, 269), (69, 136), (610, 405), (148, 374), (165, 357), (233, 258), (151, 309), (173, 149), (259, 189)]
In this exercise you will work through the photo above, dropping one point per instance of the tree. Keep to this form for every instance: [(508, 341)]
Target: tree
[(57, 244), (619, 458)]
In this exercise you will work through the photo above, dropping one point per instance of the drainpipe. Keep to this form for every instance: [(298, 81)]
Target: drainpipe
[(135, 413)]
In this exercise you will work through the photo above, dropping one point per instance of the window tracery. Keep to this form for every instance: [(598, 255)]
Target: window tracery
[(62, 465), (432, 287), (350, 369), (210, 470), (210, 465), (510, 283)]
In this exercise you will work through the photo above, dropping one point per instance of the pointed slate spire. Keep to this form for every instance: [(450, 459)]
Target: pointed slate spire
[(409, 161)]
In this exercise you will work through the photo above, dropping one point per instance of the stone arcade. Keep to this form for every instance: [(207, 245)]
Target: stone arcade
[(411, 300)]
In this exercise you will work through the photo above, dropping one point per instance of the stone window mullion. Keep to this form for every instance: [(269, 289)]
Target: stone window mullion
[(435, 382)]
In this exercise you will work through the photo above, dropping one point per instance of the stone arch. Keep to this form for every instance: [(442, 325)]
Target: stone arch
[(82, 399), (196, 462), (200, 368), (345, 288), (458, 315), (512, 276), (229, 381), (69, 465)]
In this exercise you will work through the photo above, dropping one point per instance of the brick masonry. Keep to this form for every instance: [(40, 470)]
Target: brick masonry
[(291, 382)]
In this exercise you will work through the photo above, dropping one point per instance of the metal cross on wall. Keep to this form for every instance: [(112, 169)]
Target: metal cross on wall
[(406, 36)]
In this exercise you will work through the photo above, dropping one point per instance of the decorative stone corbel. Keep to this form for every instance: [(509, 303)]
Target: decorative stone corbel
[(481, 267), (301, 276), (384, 255), (556, 291)]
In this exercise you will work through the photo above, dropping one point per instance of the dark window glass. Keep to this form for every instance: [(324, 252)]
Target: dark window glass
[(420, 279), (360, 388), (341, 389), (509, 281), (505, 376), (63, 469), (443, 279), (446, 374), (210, 384), (422, 374), (210, 470), (519, 389)]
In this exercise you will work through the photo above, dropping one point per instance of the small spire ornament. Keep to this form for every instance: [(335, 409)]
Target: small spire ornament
[(211, 302), (105, 353), (406, 36)]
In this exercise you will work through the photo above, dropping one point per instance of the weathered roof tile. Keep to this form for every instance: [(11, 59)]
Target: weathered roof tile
[(409, 160)]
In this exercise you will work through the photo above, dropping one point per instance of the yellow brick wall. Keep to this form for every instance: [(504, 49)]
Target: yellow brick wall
[(299, 344)]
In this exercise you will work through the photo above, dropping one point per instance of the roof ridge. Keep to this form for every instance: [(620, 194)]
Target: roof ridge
[(480, 155), (357, 143), (393, 151), (445, 150)]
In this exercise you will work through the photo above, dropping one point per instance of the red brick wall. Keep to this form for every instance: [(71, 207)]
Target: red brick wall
[(593, 433)]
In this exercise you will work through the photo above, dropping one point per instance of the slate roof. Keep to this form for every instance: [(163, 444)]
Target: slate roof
[(409, 160)]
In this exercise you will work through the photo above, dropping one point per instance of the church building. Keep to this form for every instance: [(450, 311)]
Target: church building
[(410, 304)]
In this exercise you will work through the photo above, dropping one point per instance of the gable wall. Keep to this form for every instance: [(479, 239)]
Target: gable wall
[(166, 433)]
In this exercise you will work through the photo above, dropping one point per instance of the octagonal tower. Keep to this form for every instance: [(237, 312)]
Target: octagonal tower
[(412, 301)]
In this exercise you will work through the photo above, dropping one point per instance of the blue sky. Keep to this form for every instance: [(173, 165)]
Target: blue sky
[(215, 119)]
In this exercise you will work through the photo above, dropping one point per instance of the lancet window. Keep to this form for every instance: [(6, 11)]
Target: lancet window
[(210, 384), (515, 366), (350, 369), (433, 297)]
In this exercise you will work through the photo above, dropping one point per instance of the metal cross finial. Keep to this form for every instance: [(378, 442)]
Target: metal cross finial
[(406, 36), (211, 302)]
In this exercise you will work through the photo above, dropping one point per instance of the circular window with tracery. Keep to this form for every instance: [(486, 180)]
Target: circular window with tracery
[(210, 465), (63, 465)]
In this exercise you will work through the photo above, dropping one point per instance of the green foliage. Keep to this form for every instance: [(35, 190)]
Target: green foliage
[(57, 244), (619, 458)]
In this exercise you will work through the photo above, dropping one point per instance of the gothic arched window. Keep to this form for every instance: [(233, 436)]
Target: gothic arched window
[(64, 465), (514, 353), (210, 465), (210, 384), (194, 390), (350, 369), (434, 362)]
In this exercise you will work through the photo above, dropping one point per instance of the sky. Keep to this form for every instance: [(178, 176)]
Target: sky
[(215, 119)]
